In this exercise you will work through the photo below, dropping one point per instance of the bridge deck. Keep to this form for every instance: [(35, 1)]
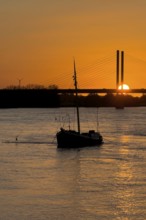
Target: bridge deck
[(101, 91)]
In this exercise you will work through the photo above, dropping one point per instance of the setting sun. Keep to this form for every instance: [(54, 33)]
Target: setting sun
[(124, 87)]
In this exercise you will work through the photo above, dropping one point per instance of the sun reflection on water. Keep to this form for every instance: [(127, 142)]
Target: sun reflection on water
[(124, 193)]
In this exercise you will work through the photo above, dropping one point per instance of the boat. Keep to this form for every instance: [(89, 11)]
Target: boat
[(75, 139)]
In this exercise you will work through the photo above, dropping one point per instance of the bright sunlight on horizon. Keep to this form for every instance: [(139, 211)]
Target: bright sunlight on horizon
[(124, 87)]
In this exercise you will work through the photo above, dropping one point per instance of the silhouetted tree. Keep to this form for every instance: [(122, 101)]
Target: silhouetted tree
[(52, 86), (34, 86)]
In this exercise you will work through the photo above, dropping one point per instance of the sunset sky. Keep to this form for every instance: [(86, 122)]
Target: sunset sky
[(39, 39)]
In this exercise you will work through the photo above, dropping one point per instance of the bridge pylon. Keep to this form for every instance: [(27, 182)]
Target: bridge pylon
[(119, 69)]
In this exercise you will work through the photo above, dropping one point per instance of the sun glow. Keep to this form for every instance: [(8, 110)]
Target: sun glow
[(124, 87)]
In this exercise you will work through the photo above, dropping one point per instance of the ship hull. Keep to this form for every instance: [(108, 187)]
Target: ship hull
[(73, 139)]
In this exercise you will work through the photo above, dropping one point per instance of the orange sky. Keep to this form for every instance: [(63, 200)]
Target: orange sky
[(39, 39)]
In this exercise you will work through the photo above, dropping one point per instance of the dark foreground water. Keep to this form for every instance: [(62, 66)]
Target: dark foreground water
[(38, 181)]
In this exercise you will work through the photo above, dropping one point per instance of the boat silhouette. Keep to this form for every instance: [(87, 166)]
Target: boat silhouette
[(75, 139)]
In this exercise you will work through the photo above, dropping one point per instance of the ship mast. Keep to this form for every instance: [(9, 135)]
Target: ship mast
[(76, 92)]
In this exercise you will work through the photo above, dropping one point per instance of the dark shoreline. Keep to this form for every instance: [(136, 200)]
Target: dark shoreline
[(45, 98)]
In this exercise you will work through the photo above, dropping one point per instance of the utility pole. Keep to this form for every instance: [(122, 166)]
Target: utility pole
[(19, 83)]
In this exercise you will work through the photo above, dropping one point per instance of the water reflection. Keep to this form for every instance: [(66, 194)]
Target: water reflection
[(42, 182), (65, 188), (85, 182), (124, 194)]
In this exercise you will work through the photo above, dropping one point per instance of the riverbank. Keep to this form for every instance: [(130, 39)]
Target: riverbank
[(46, 98)]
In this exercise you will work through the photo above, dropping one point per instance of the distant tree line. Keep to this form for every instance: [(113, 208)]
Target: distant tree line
[(37, 96), (28, 98), (32, 86), (108, 100)]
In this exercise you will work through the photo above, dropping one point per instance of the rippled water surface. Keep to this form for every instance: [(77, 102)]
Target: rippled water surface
[(39, 181)]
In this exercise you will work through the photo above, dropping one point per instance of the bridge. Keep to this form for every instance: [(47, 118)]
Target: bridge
[(119, 81), (98, 73), (104, 91)]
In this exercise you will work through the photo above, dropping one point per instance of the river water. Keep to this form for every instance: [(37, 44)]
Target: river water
[(39, 181)]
